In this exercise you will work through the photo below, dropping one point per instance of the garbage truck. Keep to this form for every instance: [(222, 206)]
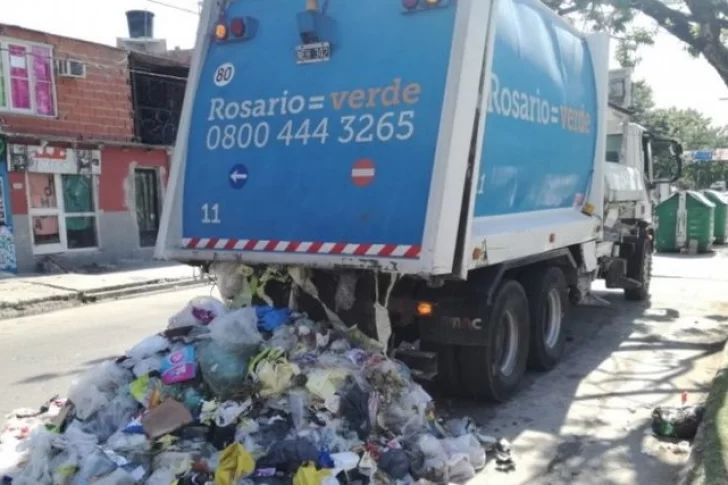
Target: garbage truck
[(429, 173)]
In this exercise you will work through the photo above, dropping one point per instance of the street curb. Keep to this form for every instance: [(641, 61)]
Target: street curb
[(121, 291), (688, 474), (75, 299)]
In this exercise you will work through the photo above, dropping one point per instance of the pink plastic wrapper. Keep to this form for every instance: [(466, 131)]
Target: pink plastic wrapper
[(179, 366)]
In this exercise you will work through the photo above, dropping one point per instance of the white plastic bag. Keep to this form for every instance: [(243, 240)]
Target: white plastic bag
[(64, 466), (433, 451), (12, 456), (96, 464), (459, 468), (148, 347), (201, 310), (236, 330), (128, 442), (40, 454), (161, 476), (106, 421), (467, 445), (81, 442), (174, 462), (230, 279), (344, 461), (95, 388), (117, 477), (148, 365)]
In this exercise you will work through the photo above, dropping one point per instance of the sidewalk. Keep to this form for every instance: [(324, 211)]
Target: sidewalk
[(27, 295), (708, 461)]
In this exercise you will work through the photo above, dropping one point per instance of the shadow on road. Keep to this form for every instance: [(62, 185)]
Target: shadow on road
[(587, 391), (49, 376)]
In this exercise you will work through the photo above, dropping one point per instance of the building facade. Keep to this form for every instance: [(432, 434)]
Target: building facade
[(86, 162)]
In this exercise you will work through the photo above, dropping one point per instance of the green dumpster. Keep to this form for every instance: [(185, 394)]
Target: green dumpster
[(721, 214), (684, 222)]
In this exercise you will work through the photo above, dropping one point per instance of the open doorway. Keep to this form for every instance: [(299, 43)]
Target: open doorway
[(146, 187)]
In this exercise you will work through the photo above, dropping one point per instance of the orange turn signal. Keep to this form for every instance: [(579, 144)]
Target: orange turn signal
[(424, 309), (221, 32)]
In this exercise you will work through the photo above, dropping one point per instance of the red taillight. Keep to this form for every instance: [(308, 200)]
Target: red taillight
[(237, 27), (410, 4)]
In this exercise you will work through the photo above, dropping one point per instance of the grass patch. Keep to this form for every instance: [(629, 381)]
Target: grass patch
[(711, 445)]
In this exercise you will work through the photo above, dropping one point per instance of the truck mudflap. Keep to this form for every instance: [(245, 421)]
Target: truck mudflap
[(452, 321), (451, 324), (314, 133)]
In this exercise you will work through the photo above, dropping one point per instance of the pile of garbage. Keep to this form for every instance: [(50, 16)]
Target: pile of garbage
[(255, 395)]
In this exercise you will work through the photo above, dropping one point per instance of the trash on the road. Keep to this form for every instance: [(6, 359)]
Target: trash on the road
[(682, 448), (504, 456), (243, 396), (677, 422)]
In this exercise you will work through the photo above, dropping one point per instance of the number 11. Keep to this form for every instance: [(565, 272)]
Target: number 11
[(211, 210)]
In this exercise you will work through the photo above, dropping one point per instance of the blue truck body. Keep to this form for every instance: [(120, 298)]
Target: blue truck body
[(540, 134), (368, 157)]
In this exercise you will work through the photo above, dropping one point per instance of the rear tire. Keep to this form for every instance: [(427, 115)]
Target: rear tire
[(548, 297), (495, 371), (639, 267)]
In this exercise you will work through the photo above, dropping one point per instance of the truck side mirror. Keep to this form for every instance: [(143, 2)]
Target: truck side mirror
[(676, 151)]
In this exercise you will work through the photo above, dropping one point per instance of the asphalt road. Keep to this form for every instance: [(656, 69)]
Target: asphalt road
[(586, 422), (40, 355)]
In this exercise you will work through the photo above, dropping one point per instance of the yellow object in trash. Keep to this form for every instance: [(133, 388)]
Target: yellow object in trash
[(309, 475), (324, 383), (146, 391), (265, 356), (276, 377), (273, 371), (235, 463)]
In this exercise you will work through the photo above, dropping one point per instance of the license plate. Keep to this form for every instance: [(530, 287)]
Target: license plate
[(308, 53)]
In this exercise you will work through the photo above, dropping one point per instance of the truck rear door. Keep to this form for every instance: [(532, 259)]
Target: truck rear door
[(321, 133)]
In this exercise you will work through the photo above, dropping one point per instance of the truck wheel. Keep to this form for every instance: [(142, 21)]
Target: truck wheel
[(639, 267), (548, 298), (495, 371)]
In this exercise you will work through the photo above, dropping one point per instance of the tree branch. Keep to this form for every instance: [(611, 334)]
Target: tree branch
[(674, 21), (569, 10), (708, 41)]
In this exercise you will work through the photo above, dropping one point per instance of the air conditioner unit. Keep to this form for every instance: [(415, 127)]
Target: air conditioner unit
[(70, 68)]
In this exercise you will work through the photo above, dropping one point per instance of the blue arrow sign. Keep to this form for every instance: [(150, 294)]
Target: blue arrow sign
[(238, 176)]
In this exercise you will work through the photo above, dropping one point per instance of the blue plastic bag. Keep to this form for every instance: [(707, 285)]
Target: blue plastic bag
[(270, 318)]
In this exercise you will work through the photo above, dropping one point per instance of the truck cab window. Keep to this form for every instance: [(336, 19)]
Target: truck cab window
[(614, 147)]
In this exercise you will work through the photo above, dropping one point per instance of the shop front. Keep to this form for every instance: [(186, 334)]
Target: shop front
[(55, 195), (69, 209)]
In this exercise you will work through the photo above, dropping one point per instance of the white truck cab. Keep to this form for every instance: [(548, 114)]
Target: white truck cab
[(631, 192)]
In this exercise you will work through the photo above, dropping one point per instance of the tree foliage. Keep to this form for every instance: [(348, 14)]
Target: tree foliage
[(701, 24), (690, 126), (694, 130)]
